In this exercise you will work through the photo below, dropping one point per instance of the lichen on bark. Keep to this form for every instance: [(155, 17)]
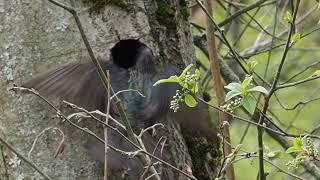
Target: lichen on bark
[(96, 6), (165, 14), (205, 155)]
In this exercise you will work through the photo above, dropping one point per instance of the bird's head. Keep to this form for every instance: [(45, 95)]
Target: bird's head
[(133, 54)]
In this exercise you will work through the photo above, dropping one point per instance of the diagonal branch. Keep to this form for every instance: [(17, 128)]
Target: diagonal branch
[(106, 131), (25, 159)]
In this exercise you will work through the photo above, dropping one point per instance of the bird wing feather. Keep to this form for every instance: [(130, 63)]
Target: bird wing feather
[(79, 83)]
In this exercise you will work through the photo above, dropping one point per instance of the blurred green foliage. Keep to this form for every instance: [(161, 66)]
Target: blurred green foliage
[(305, 52)]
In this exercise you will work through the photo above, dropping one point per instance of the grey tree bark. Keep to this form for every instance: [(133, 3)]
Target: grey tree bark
[(36, 35)]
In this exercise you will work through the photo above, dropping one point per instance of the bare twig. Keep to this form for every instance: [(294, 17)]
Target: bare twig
[(127, 90), (105, 129), (246, 156), (6, 172), (273, 88), (242, 11), (86, 114), (270, 130), (144, 174), (25, 159), (153, 128), (284, 171), (86, 130), (265, 44), (234, 53), (296, 83), (41, 133), (279, 136), (302, 71)]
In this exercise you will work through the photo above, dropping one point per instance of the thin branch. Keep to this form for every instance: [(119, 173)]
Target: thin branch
[(297, 82), (128, 140), (242, 11), (127, 90), (105, 129), (315, 129), (87, 114), (246, 27), (25, 159), (236, 4), (270, 130), (265, 44), (282, 170), (244, 120), (144, 174), (41, 133), (273, 88), (280, 137), (105, 82), (6, 172), (302, 71), (153, 128), (215, 70), (101, 72), (251, 155), (260, 26), (208, 14), (286, 50), (235, 54), (86, 130)]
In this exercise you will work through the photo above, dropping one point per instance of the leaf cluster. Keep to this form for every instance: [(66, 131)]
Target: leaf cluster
[(245, 90), (188, 80)]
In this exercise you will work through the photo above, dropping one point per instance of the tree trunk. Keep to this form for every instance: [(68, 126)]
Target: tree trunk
[(36, 35)]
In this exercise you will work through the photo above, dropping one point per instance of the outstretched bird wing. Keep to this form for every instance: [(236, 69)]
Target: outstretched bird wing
[(79, 83)]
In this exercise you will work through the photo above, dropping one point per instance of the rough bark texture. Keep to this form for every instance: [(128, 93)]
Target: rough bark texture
[(36, 36)]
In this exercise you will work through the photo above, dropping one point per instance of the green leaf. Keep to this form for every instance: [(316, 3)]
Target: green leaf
[(232, 94), (234, 87), (171, 79), (252, 65), (249, 103), (245, 84), (196, 88), (300, 156), (297, 145), (197, 73), (293, 149), (296, 37), (316, 73), (298, 142), (190, 101), (274, 155), (288, 18), (184, 73), (258, 89)]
